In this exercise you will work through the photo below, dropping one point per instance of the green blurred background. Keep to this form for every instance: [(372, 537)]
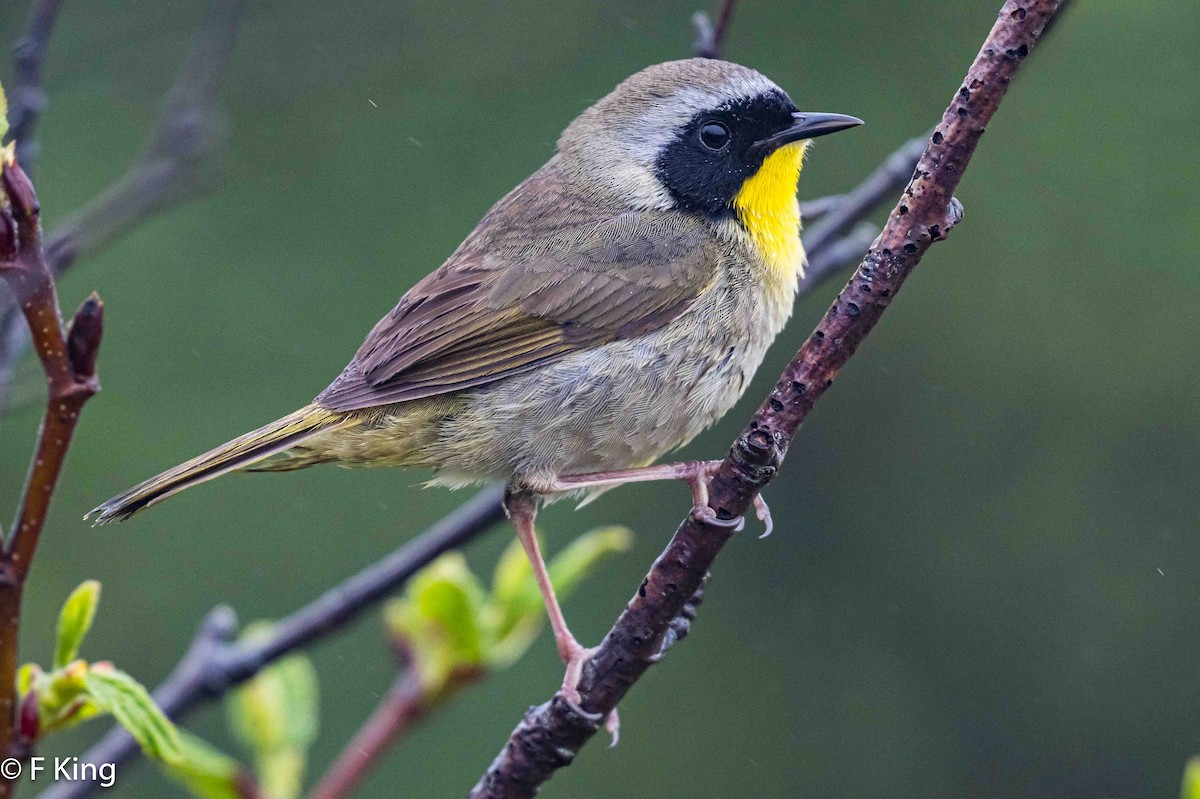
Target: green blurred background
[(983, 578)]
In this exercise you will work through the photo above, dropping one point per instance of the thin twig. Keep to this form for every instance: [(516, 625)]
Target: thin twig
[(27, 97), (403, 706), (891, 176), (710, 36), (27, 101), (549, 736), (68, 359), (814, 209), (177, 162)]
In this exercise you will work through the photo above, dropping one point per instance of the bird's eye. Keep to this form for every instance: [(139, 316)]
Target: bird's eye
[(714, 135)]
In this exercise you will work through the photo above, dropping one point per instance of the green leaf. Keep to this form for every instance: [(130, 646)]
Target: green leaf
[(1191, 779), (512, 576), (441, 621), (63, 698), (3, 113), (130, 704), (76, 712), (420, 639), (281, 775), (450, 627), (275, 716), (278, 707), (205, 771), (75, 620), (573, 564), (27, 678), (450, 595)]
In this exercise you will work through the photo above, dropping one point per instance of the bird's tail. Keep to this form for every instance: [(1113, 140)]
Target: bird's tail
[(237, 454)]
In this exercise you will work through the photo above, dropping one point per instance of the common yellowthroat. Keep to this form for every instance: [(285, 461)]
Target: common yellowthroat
[(610, 308)]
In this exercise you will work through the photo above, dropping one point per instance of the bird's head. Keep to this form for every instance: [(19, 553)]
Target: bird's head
[(691, 134)]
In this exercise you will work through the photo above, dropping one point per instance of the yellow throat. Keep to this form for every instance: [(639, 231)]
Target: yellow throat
[(767, 207)]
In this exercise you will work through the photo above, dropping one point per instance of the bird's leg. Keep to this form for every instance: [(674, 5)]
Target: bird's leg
[(521, 507), (696, 474)]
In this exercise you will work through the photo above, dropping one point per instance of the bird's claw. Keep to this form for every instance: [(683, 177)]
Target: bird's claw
[(706, 515), (699, 480), (569, 691), (612, 723), (764, 515)]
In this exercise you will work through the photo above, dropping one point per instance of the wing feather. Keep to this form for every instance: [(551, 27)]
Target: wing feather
[(487, 314)]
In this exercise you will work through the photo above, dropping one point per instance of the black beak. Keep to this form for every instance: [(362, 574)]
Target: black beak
[(808, 126)]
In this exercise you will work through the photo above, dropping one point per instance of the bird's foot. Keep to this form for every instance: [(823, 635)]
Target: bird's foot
[(574, 655), (698, 476)]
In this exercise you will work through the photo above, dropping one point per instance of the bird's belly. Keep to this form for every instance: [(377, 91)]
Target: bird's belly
[(620, 405)]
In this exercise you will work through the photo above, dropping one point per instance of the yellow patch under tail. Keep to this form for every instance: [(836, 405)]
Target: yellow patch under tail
[(767, 207)]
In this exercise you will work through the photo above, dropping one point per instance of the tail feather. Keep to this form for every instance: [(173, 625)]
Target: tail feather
[(236, 454)]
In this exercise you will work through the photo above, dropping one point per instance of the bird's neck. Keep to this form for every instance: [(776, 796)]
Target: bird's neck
[(768, 211)]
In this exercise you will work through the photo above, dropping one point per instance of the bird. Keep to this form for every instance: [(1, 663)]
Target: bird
[(606, 311)]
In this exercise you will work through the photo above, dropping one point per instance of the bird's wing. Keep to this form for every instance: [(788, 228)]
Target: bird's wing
[(484, 316)]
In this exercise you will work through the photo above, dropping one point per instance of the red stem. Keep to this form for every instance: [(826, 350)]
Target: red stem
[(406, 704), (69, 362), (403, 706)]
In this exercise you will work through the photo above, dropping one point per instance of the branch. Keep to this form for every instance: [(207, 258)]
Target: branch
[(814, 209), (402, 707), (215, 663), (837, 238), (405, 704), (174, 165), (69, 362), (709, 36), (28, 96), (891, 176), (550, 736)]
